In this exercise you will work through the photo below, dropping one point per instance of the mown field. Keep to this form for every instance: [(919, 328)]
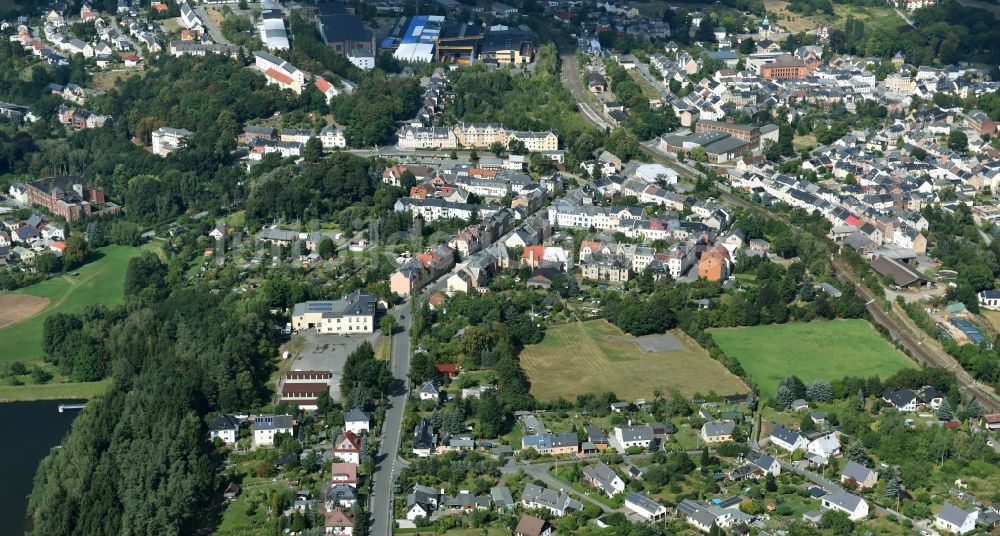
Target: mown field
[(99, 281), (596, 357), (812, 351)]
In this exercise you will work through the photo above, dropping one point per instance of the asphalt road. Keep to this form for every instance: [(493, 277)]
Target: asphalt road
[(386, 460), (213, 29)]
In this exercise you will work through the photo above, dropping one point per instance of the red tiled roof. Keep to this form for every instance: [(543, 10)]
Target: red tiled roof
[(537, 251), (323, 85), (274, 74), (447, 368)]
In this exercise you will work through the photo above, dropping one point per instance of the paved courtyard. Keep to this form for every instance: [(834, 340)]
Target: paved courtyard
[(329, 352)]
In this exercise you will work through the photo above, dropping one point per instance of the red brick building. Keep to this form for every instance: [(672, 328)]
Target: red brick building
[(68, 197), (787, 66)]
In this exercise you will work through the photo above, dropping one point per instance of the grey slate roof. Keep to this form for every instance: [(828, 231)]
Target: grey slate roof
[(719, 428), (643, 432), (843, 499), (856, 471), (953, 514)]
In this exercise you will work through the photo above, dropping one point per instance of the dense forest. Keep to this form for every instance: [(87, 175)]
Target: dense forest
[(138, 460)]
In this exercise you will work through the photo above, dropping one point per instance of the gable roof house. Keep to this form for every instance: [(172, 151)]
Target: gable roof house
[(532, 526), (861, 475), (757, 465), (701, 515), (956, 520), (339, 521), (344, 473), (633, 436), (424, 438), (789, 440), (347, 447), (717, 431), (558, 504), (854, 506), (647, 508), (826, 446), (422, 501), (901, 399), (603, 477)]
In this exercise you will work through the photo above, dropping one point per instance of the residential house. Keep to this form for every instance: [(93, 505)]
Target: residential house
[(901, 399), (424, 438), (860, 475), (596, 436), (854, 506), (167, 140), (701, 515), (604, 478), (956, 520), (990, 299), (633, 436), (347, 447), (344, 473), (532, 526), (225, 427), (431, 390), (717, 431), (422, 502), (757, 465), (646, 508), (339, 522), (265, 427), (357, 421), (552, 444), (341, 495), (559, 504), (826, 446), (786, 439)]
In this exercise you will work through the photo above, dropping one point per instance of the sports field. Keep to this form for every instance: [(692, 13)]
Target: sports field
[(596, 357), (100, 281), (812, 351)]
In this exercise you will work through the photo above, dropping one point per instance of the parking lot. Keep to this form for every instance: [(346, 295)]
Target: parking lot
[(328, 352)]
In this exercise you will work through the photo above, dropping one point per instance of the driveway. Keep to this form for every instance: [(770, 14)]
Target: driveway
[(329, 352)]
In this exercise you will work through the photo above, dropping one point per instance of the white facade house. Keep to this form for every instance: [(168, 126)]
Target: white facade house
[(789, 440), (990, 299), (854, 506), (826, 446), (956, 520), (646, 508), (265, 427), (357, 421), (603, 477), (355, 313), (332, 138), (167, 140), (279, 72), (224, 427), (634, 436)]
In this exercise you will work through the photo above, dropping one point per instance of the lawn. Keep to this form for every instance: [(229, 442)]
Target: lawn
[(777, 11), (648, 90), (52, 391), (596, 357), (812, 351), (100, 281)]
